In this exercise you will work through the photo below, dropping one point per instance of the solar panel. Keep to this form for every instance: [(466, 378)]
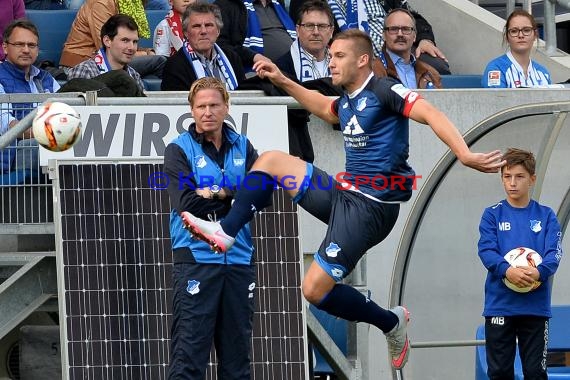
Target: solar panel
[(114, 265)]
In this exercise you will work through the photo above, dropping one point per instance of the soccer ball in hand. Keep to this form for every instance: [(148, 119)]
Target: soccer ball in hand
[(56, 126), (522, 257)]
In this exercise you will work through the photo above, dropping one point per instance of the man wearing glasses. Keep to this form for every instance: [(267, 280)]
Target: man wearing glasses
[(369, 16), (19, 75), (307, 60), (397, 58)]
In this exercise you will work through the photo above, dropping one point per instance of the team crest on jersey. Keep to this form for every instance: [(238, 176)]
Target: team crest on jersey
[(193, 287), (494, 78), (535, 226), (200, 161), (361, 104), (332, 250)]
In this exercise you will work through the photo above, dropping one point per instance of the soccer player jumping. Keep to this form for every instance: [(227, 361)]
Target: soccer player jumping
[(373, 115)]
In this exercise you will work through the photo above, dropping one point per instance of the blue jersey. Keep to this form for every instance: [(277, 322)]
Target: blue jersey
[(505, 72), (374, 123), (503, 228)]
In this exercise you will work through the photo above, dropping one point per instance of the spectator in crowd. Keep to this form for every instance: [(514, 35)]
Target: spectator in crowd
[(369, 15), (84, 40), (199, 55), (11, 10), (397, 58), (119, 38), (258, 30), (515, 68), (307, 59), (19, 75), (169, 34), (213, 295)]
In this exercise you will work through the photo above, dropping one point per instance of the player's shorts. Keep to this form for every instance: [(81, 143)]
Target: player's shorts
[(355, 223)]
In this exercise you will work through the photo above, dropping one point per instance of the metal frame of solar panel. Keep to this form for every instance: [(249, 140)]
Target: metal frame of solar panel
[(114, 277)]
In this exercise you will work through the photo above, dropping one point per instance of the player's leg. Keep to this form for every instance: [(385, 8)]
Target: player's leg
[(500, 347), (533, 346), (254, 194), (195, 300), (356, 225), (235, 323)]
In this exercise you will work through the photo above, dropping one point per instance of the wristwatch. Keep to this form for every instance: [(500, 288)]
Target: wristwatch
[(215, 192)]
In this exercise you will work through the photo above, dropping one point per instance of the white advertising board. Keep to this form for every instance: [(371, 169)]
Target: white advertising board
[(145, 131)]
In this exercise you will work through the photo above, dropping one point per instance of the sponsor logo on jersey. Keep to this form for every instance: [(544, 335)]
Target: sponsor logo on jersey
[(251, 288), (200, 161), (494, 78), (535, 226), (193, 287), (353, 127), (159, 32), (332, 250)]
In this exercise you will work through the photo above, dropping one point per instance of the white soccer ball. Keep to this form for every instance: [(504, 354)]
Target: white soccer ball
[(522, 257), (56, 126)]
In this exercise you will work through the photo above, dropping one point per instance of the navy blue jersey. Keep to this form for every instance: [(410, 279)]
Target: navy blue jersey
[(504, 228), (374, 123)]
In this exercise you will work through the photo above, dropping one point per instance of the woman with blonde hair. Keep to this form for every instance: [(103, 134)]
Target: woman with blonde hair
[(515, 69)]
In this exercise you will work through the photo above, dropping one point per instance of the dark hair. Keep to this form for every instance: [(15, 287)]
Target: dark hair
[(315, 6), (516, 156), (403, 11), (515, 13), (111, 27), (199, 7), (20, 23), (362, 42), (206, 83)]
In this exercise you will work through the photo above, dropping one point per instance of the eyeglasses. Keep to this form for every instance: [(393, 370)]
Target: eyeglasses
[(311, 27), (395, 29), (526, 31), (21, 45)]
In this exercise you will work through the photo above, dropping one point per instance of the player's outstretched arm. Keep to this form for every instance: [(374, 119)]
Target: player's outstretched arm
[(312, 101), (424, 112)]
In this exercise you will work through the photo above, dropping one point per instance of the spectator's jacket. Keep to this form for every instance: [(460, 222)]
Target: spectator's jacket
[(13, 81), (11, 10), (426, 75), (178, 73), (206, 172), (84, 37), (232, 35)]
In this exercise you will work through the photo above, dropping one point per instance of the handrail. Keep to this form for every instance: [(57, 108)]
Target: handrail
[(549, 22)]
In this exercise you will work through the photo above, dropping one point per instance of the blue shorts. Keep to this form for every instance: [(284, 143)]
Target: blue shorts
[(355, 223)]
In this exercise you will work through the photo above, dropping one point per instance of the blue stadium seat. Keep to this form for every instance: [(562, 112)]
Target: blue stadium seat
[(461, 81), (53, 27), (153, 17)]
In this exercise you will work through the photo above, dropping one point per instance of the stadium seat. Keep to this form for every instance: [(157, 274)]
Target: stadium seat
[(53, 27), (461, 81), (153, 17), (152, 84)]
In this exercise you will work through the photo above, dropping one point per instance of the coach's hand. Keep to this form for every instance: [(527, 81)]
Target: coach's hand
[(484, 162)]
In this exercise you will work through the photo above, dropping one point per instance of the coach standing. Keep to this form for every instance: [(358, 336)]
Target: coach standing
[(213, 295)]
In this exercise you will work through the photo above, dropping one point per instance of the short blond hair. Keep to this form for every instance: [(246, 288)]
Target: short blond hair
[(208, 83)]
